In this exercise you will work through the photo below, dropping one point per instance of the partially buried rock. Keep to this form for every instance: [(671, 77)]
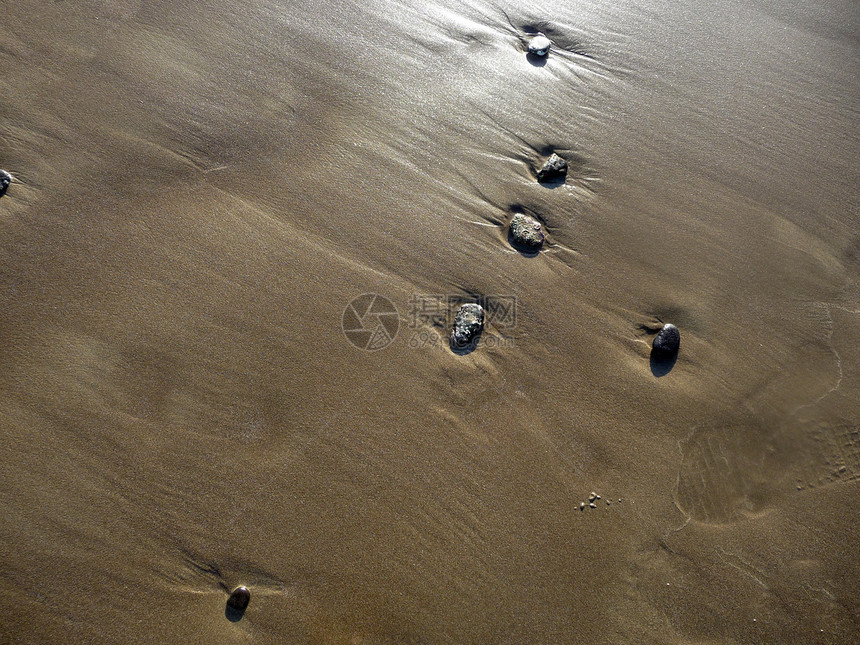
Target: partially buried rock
[(468, 323), (667, 341), (5, 180), (238, 601), (539, 45), (526, 232), (555, 168)]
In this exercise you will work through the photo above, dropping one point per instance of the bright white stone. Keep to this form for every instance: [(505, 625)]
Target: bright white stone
[(539, 45)]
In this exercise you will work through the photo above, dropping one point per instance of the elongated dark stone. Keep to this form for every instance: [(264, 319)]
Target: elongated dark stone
[(468, 323), (5, 180), (239, 599), (667, 341)]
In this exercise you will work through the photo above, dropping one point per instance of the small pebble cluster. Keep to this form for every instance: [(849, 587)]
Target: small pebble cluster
[(593, 498)]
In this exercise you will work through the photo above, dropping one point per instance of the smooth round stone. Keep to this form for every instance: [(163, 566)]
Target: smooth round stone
[(668, 340), (468, 322), (554, 168), (539, 45), (526, 232), (239, 599), (5, 180)]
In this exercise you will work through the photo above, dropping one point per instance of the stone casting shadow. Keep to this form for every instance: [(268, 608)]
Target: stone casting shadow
[(528, 251), (537, 61), (662, 363), (468, 348), (233, 615), (555, 182)]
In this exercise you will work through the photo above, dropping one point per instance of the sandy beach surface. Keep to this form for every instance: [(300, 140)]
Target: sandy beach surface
[(200, 191)]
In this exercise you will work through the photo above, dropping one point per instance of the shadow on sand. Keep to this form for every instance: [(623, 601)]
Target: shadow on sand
[(468, 348), (528, 251), (662, 363), (537, 61)]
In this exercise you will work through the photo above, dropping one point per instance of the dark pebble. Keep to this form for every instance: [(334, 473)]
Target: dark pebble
[(468, 323), (554, 168), (239, 599), (526, 232), (5, 180), (667, 341)]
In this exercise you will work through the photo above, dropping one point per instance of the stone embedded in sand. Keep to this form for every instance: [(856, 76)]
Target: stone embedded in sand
[(667, 341), (539, 45), (239, 599), (554, 168), (468, 323), (5, 180), (526, 232)]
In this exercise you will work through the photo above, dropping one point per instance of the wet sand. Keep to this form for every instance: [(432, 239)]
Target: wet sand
[(200, 190)]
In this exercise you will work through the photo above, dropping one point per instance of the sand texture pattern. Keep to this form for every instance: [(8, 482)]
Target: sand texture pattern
[(203, 191)]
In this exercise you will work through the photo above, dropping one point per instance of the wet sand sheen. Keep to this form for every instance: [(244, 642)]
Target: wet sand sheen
[(200, 190)]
